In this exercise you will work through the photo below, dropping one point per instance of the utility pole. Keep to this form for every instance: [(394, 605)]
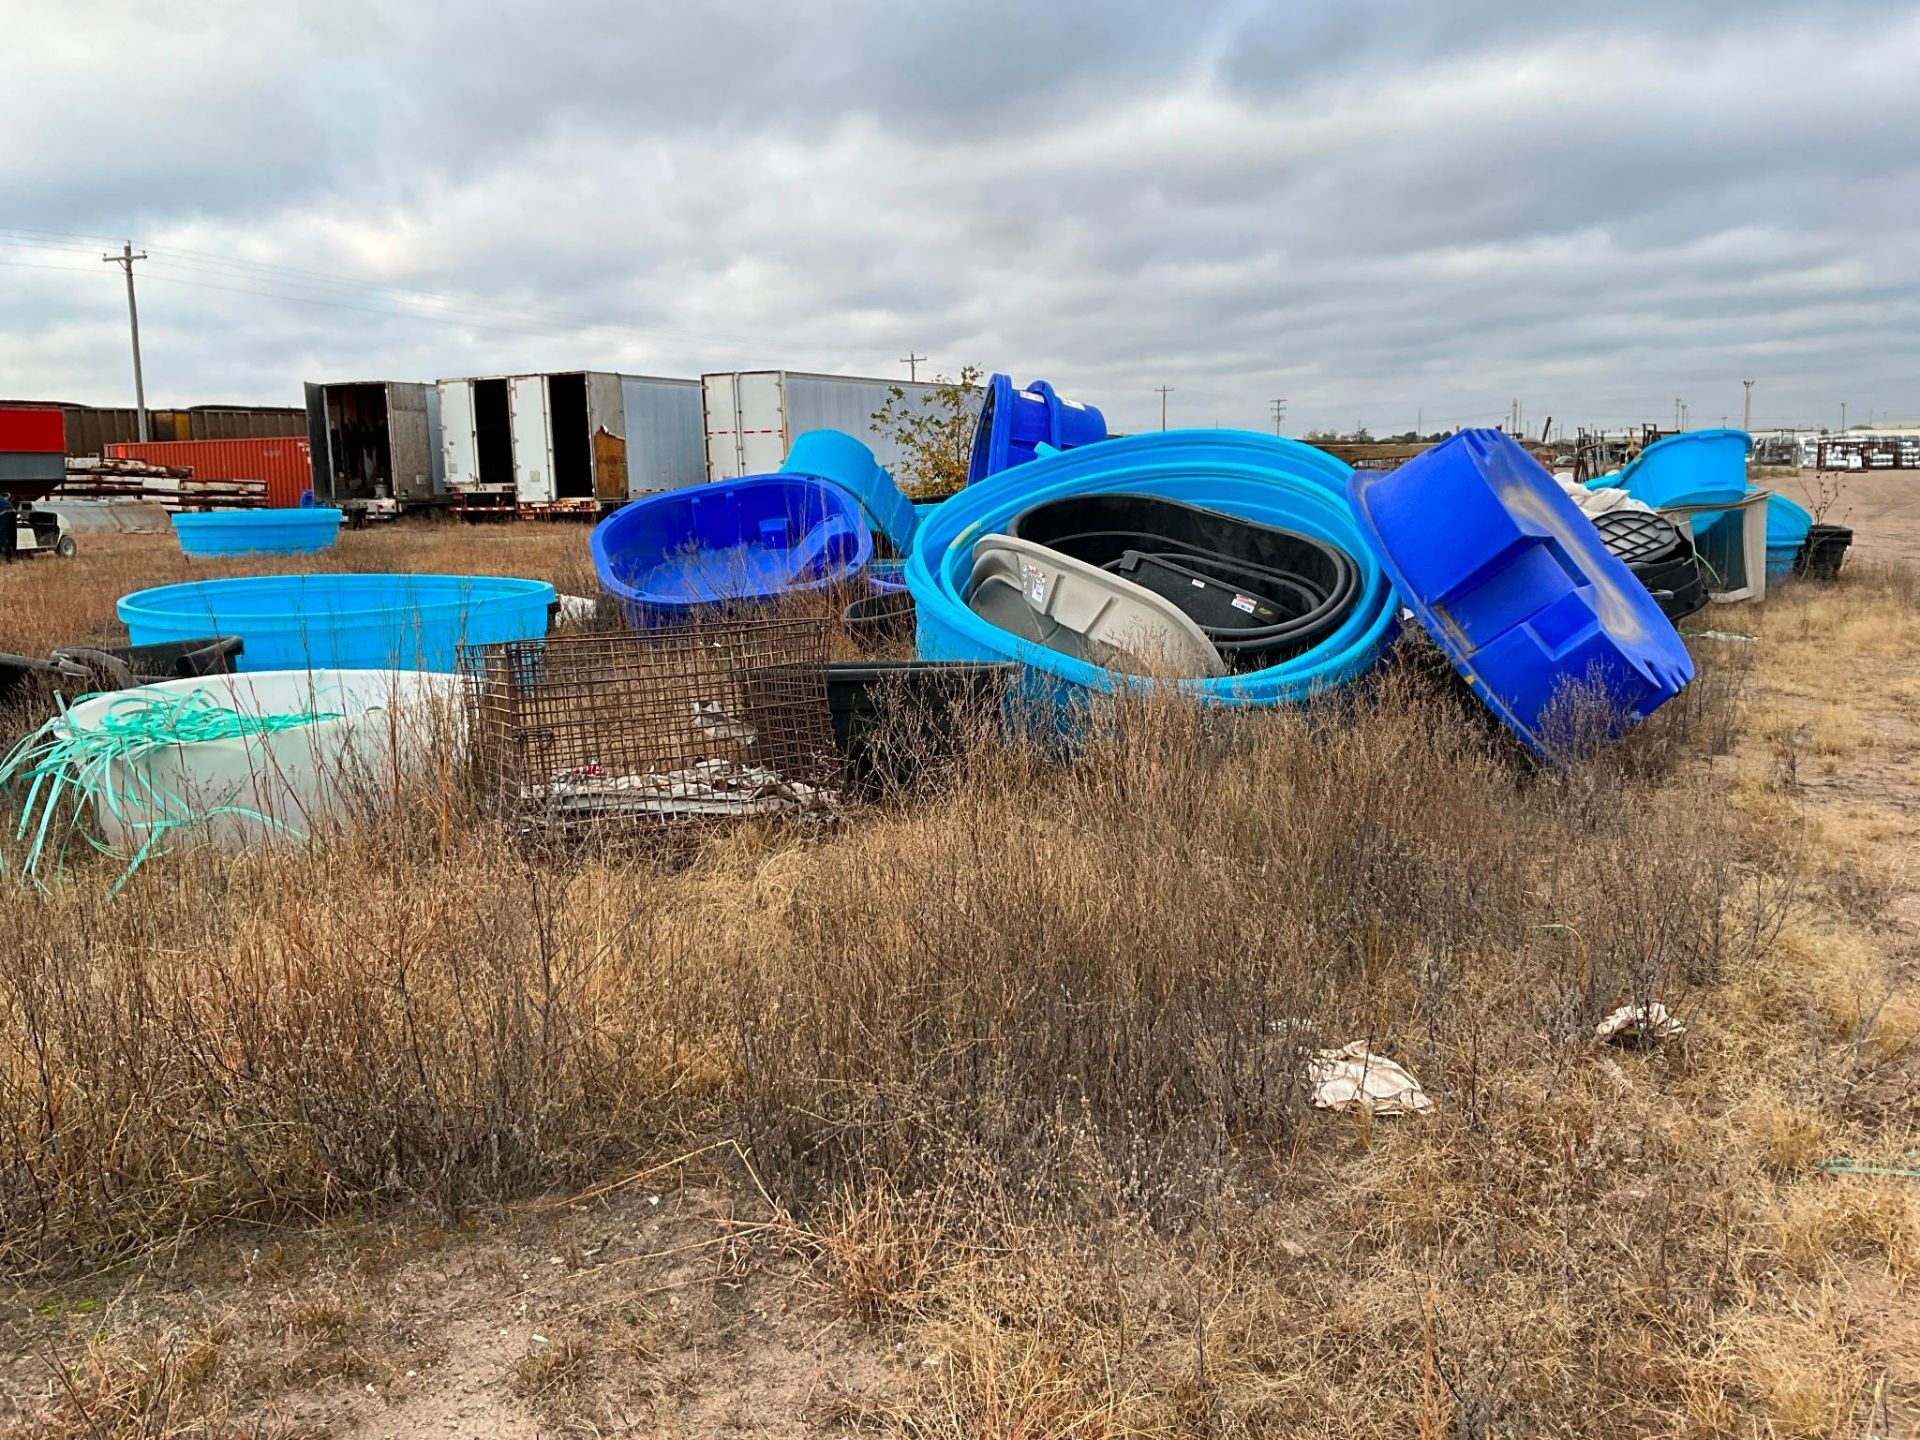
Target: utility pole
[(1419, 422), (125, 260), (1843, 417), (1164, 391), (1676, 413), (1279, 408), (1746, 414), (912, 362)]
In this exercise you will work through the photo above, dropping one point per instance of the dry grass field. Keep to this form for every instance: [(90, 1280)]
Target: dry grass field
[(981, 1114)]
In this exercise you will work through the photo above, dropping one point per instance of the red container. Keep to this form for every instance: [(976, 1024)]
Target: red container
[(283, 462), (25, 431)]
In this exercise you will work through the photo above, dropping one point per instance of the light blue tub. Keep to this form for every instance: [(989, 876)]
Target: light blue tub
[(257, 532), (1788, 522), (1696, 467), (344, 622)]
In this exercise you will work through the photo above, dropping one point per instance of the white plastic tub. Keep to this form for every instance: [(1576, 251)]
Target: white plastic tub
[(388, 722)]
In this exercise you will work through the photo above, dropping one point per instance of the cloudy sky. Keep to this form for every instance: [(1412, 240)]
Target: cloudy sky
[(1377, 211)]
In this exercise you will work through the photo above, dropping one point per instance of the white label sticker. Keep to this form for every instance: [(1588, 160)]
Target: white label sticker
[(1036, 579)]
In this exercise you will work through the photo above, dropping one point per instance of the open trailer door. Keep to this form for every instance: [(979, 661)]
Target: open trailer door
[(607, 424), (459, 437), (318, 455), (411, 443), (532, 439)]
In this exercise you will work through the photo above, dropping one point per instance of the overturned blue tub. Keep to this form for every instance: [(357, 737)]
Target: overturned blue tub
[(1014, 423), (733, 542), (1516, 585), (1275, 482)]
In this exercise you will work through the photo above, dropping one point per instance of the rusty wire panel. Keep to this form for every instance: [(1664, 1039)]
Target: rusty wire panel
[(655, 729)]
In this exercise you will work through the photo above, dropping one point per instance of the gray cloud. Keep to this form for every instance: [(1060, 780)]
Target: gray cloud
[(1376, 210)]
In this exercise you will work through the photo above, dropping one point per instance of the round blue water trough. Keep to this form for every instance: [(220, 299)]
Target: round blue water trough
[(303, 531), (343, 622)]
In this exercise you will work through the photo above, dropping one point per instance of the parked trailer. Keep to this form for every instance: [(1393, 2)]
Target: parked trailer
[(752, 416), (375, 440), (476, 438), (666, 443), (572, 438), (33, 449)]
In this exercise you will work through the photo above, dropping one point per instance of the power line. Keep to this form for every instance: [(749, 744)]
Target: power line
[(457, 319), (522, 319), (125, 260)]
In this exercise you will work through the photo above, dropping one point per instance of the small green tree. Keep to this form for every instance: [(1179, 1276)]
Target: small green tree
[(936, 434)]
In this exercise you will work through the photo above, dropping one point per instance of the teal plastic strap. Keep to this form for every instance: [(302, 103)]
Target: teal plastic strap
[(66, 769)]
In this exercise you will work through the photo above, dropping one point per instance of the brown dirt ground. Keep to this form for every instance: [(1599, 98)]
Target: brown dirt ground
[(1881, 506), (637, 1312)]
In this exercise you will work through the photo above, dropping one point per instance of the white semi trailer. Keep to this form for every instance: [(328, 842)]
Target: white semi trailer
[(375, 442), (752, 416), (573, 439)]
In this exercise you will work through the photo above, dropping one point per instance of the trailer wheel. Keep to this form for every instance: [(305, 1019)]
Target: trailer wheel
[(66, 549)]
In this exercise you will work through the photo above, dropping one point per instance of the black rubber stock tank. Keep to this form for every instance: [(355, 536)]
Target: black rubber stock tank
[(1259, 592)]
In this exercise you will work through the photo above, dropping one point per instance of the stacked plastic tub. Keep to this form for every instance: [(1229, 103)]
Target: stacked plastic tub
[(1509, 578), (1706, 467), (1262, 478)]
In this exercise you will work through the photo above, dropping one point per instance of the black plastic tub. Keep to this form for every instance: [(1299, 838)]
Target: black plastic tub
[(1823, 552), (894, 720), (1260, 593), (877, 620), (1661, 557)]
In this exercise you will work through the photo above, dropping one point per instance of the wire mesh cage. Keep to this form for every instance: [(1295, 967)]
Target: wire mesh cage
[(655, 729)]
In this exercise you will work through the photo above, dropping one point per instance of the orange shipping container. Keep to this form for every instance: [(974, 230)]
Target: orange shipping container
[(283, 462)]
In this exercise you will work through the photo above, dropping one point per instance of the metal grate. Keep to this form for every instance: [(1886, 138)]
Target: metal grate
[(652, 729)]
